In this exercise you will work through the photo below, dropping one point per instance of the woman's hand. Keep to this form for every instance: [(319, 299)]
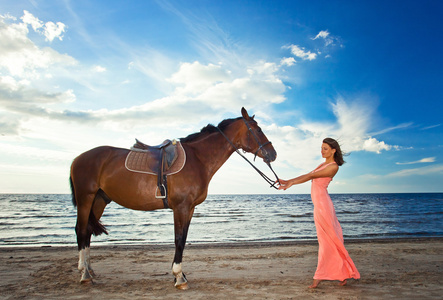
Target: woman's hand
[(283, 184), (286, 184)]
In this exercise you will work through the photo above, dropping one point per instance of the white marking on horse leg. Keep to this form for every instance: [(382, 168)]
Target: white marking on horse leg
[(180, 279), (81, 259), (83, 266), (176, 268)]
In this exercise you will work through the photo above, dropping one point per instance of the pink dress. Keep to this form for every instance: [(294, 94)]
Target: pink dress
[(334, 262)]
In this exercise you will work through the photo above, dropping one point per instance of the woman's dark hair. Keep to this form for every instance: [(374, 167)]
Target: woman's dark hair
[(338, 155)]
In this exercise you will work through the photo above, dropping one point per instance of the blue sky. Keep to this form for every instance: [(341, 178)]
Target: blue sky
[(78, 74)]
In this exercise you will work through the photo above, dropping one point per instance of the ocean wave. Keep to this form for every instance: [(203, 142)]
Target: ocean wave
[(50, 219)]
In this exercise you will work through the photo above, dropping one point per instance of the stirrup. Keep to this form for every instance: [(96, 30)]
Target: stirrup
[(161, 196)]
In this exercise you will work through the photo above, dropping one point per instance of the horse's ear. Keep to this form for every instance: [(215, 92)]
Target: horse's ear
[(244, 113)]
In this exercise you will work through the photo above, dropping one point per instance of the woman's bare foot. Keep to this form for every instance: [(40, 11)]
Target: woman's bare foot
[(315, 283), (343, 283)]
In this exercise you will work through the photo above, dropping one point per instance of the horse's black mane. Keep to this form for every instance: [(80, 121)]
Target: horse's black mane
[(208, 129)]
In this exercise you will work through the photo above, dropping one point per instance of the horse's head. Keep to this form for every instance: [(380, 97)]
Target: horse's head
[(254, 140)]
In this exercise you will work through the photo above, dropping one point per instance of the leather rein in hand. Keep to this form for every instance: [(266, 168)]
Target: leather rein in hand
[(263, 175)]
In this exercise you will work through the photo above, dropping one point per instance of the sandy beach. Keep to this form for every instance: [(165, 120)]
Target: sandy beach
[(390, 269)]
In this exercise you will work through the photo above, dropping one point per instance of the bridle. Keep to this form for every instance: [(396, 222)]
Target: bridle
[(256, 140), (260, 147)]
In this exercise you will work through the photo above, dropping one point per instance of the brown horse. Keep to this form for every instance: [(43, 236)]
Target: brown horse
[(99, 176)]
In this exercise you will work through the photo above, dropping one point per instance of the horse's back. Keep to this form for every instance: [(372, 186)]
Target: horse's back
[(100, 150), (89, 163)]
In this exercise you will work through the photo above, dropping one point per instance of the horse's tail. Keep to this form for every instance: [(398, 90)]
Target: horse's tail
[(95, 226), (74, 201)]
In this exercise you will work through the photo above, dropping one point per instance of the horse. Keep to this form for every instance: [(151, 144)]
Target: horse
[(99, 176)]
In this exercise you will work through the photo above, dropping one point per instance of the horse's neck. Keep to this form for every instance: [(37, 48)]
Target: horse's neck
[(213, 151)]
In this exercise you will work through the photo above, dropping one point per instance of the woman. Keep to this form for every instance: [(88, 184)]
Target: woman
[(334, 262)]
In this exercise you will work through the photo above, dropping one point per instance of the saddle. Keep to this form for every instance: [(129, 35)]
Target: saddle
[(163, 155), (165, 159)]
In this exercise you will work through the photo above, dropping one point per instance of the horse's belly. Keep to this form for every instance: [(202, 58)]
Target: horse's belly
[(134, 191), (144, 204)]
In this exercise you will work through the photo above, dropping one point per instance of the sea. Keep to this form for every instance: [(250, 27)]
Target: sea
[(49, 219)]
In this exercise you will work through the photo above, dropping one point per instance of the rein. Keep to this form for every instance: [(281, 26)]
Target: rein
[(263, 175)]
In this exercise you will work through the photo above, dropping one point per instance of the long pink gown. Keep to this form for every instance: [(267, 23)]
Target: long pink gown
[(334, 262)]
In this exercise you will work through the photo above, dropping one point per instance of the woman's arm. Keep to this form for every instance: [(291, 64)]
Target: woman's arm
[(329, 171)]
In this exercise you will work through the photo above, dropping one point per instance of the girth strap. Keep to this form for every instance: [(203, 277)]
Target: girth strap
[(164, 160), (162, 184), (162, 187)]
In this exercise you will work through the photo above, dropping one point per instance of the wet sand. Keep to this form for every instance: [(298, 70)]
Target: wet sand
[(390, 269)]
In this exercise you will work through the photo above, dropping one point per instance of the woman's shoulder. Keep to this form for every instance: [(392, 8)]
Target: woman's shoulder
[(328, 170), (333, 165)]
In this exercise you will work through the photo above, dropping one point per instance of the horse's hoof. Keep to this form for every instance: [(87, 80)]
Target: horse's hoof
[(86, 281), (183, 286)]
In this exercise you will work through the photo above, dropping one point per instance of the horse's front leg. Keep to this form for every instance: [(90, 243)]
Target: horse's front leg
[(182, 219)]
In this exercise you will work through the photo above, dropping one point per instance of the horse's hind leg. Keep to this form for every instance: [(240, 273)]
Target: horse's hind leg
[(88, 214), (84, 235), (98, 207)]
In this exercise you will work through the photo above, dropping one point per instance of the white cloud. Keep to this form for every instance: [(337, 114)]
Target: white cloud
[(98, 69), (430, 127), (21, 64), (196, 78), (299, 145), (288, 61), (7, 16), (418, 171), (54, 30), (354, 121), (423, 160), (328, 39), (16, 94), (301, 52), (304, 54), (322, 34), (50, 30), (400, 126), (19, 56), (373, 145), (199, 90), (29, 19)]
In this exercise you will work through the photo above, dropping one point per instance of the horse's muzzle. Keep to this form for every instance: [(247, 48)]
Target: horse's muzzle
[(268, 155)]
